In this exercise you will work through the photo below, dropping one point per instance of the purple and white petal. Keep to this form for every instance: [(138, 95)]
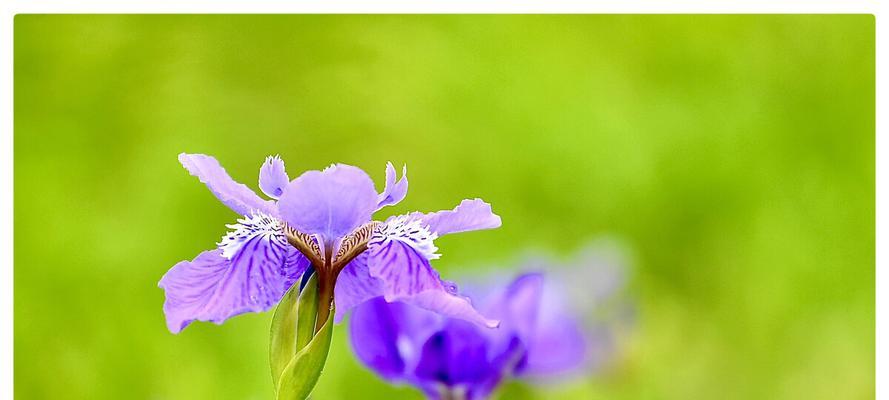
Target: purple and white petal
[(235, 195), (399, 252), (272, 177), (394, 191), (354, 286), (331, 203), (470, 215), (252, 225), (214, 287)]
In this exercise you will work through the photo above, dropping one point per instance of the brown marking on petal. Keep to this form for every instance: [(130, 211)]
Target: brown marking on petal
[(306, 244), (354, 244)]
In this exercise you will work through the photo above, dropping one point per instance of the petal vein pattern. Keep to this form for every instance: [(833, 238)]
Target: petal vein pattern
[(247, 228)]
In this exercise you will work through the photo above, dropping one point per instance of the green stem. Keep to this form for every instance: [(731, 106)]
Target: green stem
[(326, 281)]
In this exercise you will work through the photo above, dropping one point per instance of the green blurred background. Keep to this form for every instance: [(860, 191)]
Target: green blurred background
[(733, 154)]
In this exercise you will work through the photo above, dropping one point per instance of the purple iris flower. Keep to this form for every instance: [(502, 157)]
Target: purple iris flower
[(449, 358), (321, 219)]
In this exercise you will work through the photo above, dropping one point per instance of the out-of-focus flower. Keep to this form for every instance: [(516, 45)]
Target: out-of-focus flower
[(320, 219), (542, 335)]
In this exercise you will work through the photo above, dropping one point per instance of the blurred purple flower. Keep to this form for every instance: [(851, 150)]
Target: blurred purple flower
[(540, 337), (320, 219)]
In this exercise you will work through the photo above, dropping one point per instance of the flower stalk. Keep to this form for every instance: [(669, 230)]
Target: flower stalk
[(326, 282)]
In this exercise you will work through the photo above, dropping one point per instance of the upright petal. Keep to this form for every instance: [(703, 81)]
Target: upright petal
[(235, 195), (330, 203), (470, 215), (394, 191), (272, 177), (214, 288)]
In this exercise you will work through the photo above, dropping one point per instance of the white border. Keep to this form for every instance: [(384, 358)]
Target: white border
[(443, 6), (10, 8)]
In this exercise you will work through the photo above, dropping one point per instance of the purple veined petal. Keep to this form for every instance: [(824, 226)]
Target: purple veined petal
[(331, 203), (272, 177), (398, 254), (354, 286), (214, 288), (235, 195), (388, 337), (394, 191), (470, 215), (403, 270)]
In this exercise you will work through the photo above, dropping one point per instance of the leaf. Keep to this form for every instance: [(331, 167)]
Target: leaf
[(286, 336), (302, 373), (306, 314)]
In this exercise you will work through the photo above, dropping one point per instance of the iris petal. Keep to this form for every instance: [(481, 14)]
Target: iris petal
[(214, 288), (354, 286), (374, 332), (330, 203), (235, 195), (456, 356), (559, 345), (394, 191), (400, 259), (469, 215), (517, 306), (272, 177), (389, 337)]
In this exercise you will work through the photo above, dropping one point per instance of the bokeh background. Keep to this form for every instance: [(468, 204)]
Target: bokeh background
[(733, 154)]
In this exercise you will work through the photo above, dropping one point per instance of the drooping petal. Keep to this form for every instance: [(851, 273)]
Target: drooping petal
[(388, 337), (394, 191), (450, 305), (470, 215), (354, 286), (330, 203), (272, 177), (214, 288), (235, 195), (399, 252), (190, 287)]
